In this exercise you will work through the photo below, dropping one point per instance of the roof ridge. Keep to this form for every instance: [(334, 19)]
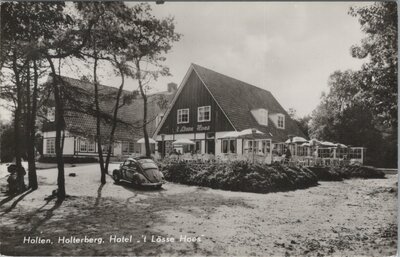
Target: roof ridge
[(243, 82), (110, 87)]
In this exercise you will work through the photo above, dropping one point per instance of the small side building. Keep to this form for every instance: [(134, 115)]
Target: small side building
[(80, 126)]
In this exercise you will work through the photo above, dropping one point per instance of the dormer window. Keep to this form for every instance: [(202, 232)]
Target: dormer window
[(281, 121), (51, 114), (159, 118), (261, 116)]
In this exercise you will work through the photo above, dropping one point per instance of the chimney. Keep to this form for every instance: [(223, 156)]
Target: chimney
[(172, 87)]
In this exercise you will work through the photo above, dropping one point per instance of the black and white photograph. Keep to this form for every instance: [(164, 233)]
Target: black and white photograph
[(167, 128)]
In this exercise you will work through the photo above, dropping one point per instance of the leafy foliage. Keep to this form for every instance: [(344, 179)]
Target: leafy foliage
[(343, 116), (378, 77)]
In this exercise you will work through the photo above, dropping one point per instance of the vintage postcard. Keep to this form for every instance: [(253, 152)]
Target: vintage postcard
[(199, 128)]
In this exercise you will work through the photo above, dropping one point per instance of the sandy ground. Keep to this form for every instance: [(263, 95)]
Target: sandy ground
[(351, 218)]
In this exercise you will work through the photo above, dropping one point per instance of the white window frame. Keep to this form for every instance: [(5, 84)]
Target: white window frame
[(83, 143), (90, 146), (202, 109), (50, 146), (179, 116), (281, 116)]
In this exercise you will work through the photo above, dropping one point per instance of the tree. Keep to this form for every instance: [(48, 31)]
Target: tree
[(343, 116), (303, 124), (378, 76), (108, 42), (153, 38)]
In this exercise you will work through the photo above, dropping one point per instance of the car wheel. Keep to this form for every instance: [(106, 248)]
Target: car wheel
[(116, 176)]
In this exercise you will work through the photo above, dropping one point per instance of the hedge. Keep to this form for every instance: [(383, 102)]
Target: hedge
[(260, 178), (241, 176)]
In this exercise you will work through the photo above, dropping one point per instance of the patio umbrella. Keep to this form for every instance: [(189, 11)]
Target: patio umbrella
[(296, 140), (341, 145), (328, 144), (314, 142), (305, 144), (183, 141), (151, 141)]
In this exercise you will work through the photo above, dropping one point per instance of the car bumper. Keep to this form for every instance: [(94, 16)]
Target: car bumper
[(153, 184)]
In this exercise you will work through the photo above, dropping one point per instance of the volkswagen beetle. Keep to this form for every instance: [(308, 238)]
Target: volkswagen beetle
[(140, 172)]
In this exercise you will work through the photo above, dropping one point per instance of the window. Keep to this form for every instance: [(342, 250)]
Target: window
[(198, 147), (128, 147), (228, 146), (261, 116), (324, 152), (131, 147), (82, 146), (51, 114), (204, 113), (159, 118), (104, 148), (281, 121), (51, 145), (302, 151), (279, 149), (266, 147), (183, 116), (125, 147), (91, 146)]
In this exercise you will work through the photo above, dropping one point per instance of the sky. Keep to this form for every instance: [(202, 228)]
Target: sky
[(287, 48)]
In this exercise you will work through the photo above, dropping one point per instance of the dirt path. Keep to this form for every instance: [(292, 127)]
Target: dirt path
[(354, 217)]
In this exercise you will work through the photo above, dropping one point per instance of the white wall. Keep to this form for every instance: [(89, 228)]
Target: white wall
[(117, 148), (190, 136), (69, 146), (239, 145), (218, 146)]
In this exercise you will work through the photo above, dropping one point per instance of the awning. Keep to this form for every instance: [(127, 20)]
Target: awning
[(248, 134), (231, 134), (296, 140), (151, 141), (183, 141)]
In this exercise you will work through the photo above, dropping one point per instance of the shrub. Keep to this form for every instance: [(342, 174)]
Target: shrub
[(241, 176), (327, 173), (359, 172)]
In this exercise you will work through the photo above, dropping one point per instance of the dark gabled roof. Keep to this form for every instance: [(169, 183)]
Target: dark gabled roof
[(130, 115), (237, 98)]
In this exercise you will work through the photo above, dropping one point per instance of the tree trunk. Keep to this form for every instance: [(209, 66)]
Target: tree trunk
[(145, 134), (30, 129), (32, 170), (17, 124), (115, 115), (98, 123), (59, 117)]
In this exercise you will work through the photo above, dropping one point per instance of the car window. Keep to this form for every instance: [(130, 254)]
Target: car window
[(149, 165), (131, 164)]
